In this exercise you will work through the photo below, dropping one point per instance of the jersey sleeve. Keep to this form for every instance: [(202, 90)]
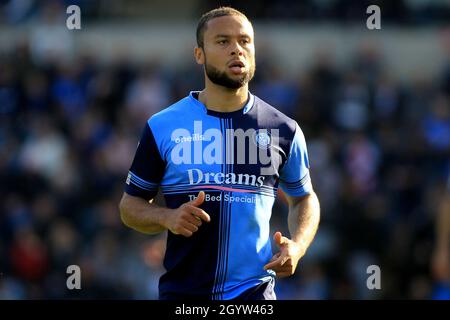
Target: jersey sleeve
[(147, 168), (294, 175)]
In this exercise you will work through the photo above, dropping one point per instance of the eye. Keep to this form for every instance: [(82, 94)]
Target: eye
[(222, 41)]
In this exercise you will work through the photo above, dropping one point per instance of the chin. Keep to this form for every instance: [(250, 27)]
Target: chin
[(238, 76)]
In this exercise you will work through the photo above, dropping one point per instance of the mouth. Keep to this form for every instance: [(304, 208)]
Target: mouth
[(236, 66)]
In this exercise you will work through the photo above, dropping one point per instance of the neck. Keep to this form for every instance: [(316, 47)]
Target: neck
[(221, 99)]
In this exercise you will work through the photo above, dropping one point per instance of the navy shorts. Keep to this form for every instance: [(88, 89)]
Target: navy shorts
[(263, 291)]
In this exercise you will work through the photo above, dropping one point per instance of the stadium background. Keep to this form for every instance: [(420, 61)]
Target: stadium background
[(374, 107)]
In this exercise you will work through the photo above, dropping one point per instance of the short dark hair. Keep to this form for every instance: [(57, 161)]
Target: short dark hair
[(215, 13)]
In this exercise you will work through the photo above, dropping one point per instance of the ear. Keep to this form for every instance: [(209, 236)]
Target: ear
[(199, 55)]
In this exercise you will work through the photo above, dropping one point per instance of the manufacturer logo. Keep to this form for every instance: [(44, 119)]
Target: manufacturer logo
[(194, 137)]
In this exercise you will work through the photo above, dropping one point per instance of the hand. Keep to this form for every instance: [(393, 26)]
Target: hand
[(440, 264), (284, 262), (188, 217)]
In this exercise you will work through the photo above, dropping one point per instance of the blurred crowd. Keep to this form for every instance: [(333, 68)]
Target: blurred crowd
[(379, 150), (399, 12)]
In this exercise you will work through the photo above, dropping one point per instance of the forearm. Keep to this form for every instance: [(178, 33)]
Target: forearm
[(141, 215), (303, 221), (443, 224)]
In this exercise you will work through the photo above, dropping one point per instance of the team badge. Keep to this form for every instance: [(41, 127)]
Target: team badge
[(262, 139)]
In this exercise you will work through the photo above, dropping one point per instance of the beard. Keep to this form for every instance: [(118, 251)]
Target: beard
[(222, 79)]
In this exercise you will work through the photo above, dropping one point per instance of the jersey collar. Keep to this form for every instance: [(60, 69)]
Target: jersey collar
[(193, 95)]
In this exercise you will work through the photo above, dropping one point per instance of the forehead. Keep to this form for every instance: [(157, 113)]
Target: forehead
[(228, 25)]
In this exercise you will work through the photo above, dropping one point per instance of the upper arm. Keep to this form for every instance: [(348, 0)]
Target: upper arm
[(128, 198), (147, 168), (295, 180)]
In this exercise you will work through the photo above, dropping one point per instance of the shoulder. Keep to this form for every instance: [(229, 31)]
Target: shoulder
[(273, 118), (170, 115)]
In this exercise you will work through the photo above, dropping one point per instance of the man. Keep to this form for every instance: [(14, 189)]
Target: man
[(440, 259), (219, 156)]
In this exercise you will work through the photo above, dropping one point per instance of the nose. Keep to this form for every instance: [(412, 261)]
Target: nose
[(237, 50)]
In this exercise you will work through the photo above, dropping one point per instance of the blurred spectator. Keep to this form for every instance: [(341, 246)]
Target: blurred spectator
[(440, 263), (436, 125), (147, 93)]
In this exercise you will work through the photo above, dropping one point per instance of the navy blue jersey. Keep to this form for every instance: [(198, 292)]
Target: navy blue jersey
[(239, 159)]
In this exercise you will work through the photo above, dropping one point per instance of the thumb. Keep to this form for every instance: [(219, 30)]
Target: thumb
[(279, 239), (199, 200)]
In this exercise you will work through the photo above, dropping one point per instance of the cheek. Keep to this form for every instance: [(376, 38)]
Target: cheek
[(251, 54), (212, 56), (251, 59)]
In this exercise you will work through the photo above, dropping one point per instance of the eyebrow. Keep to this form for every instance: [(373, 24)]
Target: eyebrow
[(242, 35)]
